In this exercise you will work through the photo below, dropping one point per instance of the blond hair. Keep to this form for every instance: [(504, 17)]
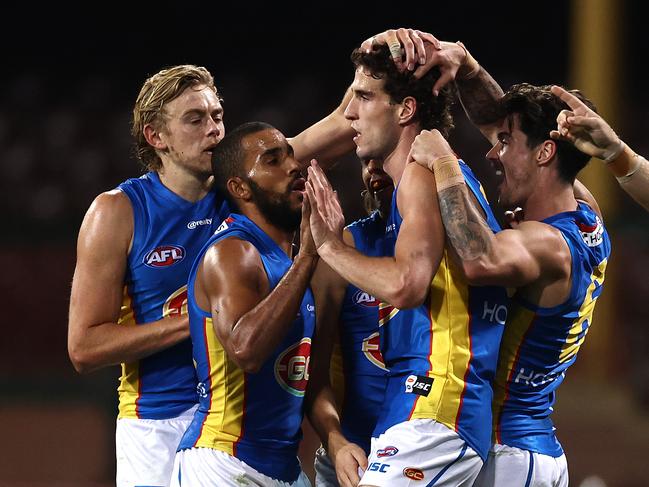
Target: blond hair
[(157, 91)]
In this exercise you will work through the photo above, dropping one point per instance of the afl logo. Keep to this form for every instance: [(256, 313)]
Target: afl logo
[(365, 299), (372, 350), (292, 367), (176, 304), (164, 256)]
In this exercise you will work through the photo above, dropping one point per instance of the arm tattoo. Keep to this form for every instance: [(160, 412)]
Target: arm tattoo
[(480, 98), (466, 229)]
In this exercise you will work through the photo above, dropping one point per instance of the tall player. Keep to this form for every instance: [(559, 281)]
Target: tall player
[(441, 340)]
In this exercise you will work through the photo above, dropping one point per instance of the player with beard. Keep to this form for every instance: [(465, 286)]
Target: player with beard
[(252, 317), (357, 372)]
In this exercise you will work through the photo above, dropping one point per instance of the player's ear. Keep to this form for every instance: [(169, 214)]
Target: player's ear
[(154, 136), (407, 110), (546, 151), (239, 188)]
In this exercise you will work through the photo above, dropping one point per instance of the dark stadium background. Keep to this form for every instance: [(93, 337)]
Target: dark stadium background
[(69, 79)]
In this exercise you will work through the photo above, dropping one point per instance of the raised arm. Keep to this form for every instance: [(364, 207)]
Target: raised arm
[(592, 135), (95, 339), (402, 280), (327, 139)]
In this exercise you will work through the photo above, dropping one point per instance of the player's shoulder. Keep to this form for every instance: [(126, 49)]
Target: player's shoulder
[(111, 205)]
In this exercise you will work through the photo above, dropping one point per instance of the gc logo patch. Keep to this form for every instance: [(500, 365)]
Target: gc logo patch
[(292, 367), (413, 473)]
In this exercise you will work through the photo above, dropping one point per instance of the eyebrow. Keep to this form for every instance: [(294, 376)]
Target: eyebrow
[(275, 151), (200, 111)]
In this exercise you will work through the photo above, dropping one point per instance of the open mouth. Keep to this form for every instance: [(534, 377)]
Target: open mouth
[(298, 185)]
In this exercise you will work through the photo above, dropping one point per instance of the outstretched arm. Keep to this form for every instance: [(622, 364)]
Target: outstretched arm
[(592, 135), (95, 339)]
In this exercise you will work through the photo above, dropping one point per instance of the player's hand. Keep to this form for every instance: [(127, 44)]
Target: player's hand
[(585, 129), (349, 460), (514, 217), (428, 146), (307, 245), (415, 43), (326, 219)]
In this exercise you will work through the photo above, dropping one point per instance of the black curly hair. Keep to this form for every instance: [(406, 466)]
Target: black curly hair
[(433, 112), (537, 109)]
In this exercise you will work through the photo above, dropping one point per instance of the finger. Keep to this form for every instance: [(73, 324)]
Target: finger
[(568, 98), (319, 192), (306, 207), (581, 121), (563, 115), (366, 45), (411, 156), (409, 48), (445, 77), (394, 45), (555, 134), (420, 48), (320, 176), (361, 458), (430, 38)]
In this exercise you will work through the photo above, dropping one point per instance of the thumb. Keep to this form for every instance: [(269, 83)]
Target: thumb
[(411, 157)]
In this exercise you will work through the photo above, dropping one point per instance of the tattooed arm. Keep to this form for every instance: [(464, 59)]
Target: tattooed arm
[(480, 96), (533, 252)]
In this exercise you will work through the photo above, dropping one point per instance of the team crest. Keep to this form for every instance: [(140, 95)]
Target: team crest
[(292, 367), (372, 350), (176, 304)]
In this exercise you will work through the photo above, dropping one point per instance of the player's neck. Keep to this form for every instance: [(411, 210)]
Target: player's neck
[(395, 162), (189, 186), (281, 237), (549, 199)]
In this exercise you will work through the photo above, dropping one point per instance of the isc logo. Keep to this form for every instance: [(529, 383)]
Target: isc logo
[(365, 299), (292, 367), (378, 467), (164, 256)]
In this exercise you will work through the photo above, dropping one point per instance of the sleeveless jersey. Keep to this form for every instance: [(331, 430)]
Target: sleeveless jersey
[(539, 344), (359, 375), (443, 354), (253, 417), (168, 232)]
